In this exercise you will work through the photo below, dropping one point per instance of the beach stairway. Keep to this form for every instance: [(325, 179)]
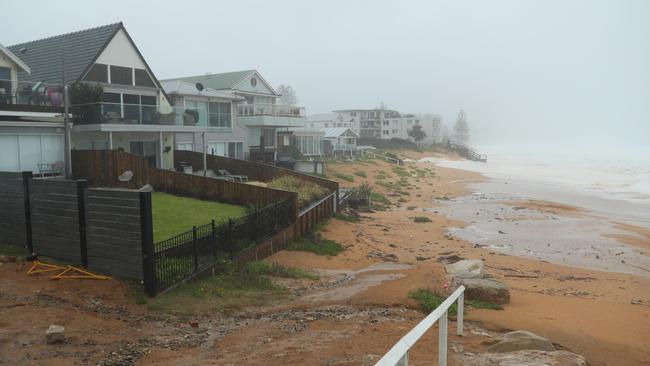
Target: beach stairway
[(466, 152)]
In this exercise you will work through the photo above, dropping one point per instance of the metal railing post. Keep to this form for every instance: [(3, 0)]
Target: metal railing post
[(194, 249), (459, 317), (442, 339)]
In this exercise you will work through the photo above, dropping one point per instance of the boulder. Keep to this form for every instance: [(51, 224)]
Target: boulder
[(467, 268), (522, 340), (484, 289), (54, 334), (521, 358)]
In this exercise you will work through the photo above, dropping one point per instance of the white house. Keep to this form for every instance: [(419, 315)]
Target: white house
[(259, 111), (367, 123), (31, 120), (212, 109), (132, 113)]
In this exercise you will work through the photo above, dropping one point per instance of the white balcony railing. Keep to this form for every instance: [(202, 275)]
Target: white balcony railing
[(277, 110)]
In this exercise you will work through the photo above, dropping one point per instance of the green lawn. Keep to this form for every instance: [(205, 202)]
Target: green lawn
[(173, 215)]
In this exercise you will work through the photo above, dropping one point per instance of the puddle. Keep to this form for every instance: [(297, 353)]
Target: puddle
[(362, 280)]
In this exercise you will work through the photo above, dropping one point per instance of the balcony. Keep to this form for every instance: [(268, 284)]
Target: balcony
[(24, 96), (149, 115), (272, 115)]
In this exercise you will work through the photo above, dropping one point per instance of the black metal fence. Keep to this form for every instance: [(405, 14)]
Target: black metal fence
[(206, 247)]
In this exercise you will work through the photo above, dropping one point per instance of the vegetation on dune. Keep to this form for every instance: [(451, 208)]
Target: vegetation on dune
[(320, 247), (421, 219), (360, 173), (307, 191), (278, 270), (347, 177), (173, 215), (348, 218), (429, 300)]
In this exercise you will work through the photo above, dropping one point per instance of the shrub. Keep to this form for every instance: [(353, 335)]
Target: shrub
[(348, 218), (430, 300), (360, 173), (421, 219), (380, 176), (307, 191)]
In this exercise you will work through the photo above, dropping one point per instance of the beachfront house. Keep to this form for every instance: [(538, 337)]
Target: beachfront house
[(367, 123), (214, 111), (31, 120), (339, 141), (116, 102), (259, 111)]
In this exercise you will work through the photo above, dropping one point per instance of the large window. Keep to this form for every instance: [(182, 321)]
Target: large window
[(269, 137), (220, 115), (121, 75), (98, 72), (186, 146), (142, 78), (26, 152)]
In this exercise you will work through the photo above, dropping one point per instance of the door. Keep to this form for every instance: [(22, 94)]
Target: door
[(146, 149)]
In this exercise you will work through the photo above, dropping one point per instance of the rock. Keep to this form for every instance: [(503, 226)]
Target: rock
[(521, 358), (484, 289), (54, 334), (468, 268), (7, 258), (522, 340)]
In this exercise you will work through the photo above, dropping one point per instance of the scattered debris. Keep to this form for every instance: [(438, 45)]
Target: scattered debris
[(55, 334)]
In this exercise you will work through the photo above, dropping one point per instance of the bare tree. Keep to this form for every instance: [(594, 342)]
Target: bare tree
[(461, 128), (288, 95)]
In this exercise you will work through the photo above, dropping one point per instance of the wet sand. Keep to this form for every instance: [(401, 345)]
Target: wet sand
[(596, 307)]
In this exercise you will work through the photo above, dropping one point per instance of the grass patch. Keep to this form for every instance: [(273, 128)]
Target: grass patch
[(347, 177), (278, 270), (377, 197), (401, 171), (402, 200), (324, 247), (348, 218), (411, 208), (429, 301), (235, 288), (13, 250), (380, 176), (360, 173), (420, 258), (173, 215), (421, 219), (478, 304), (307, 191)]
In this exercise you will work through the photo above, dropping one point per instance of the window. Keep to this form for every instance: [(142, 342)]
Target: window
[(269, 137), (142, 78), (220, 115), (386, 123), (253, 82), (353, 114), (326, 124), (385, 132), (121, 75), (395, 132), (98, 72), (217, 148), (187, 146)]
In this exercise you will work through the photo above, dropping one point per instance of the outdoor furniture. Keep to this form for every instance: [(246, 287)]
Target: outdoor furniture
[(237, 178), (51, 169)]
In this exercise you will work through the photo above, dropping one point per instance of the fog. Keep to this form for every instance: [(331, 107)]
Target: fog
[(550, 72)]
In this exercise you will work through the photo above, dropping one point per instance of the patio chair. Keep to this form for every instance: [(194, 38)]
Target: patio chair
[(53, 169), (237, 178)]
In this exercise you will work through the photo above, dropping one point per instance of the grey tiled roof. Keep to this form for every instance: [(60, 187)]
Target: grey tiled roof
[(45, 56), (226, 80)]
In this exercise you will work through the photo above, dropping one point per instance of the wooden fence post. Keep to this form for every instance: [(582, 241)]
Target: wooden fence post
[(148, 253), (81, 208), (27, 176)]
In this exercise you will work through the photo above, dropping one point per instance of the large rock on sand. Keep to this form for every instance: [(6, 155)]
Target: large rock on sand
[(521, 358), (484, 289), (467, 268), (522, 340)]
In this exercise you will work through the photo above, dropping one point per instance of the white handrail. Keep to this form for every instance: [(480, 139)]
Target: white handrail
[(399, 354)]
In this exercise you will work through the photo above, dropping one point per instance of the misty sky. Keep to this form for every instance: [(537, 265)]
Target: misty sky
[(549, 71)]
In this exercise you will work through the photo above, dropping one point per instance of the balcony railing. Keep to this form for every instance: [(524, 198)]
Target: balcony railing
[(30, 96), (278, 110), (140, 114)]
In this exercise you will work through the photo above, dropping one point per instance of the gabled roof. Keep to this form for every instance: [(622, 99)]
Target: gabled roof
[(337, 132), (45, 56), (23, 67), (224, 80), (184, 88)]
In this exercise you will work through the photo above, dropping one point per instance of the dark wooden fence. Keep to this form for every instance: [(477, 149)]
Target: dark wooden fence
[(255, 171), (13, 196), (103, 167), (101, 229)]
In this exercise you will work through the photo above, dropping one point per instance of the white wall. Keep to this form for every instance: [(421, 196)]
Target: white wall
[(120, 52), (260, 87)]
